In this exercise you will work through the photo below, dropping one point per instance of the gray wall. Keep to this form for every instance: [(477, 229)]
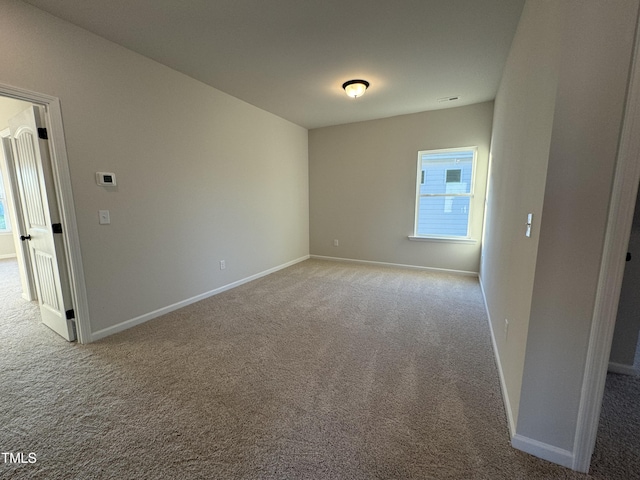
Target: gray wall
[(7, 248), (549, 291), (519, 155), (362, 186), (202, 176)]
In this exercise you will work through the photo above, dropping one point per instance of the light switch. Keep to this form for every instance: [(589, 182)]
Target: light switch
[(105, 218)]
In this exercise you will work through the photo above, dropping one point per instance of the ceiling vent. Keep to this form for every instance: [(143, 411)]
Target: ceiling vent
[(448, 99)]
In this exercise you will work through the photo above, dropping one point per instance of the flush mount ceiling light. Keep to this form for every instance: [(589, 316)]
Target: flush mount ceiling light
[(355, 88)]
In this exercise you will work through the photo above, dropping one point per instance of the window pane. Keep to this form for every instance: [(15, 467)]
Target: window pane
[(3, 220), (444, 171), (445, 195), (454, 176), (4, 215), (443, 216)]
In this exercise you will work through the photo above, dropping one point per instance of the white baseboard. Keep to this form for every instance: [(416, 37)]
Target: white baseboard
[(8, 255), (105, 332), (503, 385), (543, 450), (623, 369), (527, 445), (397, 265)]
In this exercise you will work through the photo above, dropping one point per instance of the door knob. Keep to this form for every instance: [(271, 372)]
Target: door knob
[(23, 238)]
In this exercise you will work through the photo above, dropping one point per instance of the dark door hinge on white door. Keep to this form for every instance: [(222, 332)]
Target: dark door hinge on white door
[(42, 133)]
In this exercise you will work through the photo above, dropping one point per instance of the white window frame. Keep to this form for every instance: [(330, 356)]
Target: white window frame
[(445, 238)]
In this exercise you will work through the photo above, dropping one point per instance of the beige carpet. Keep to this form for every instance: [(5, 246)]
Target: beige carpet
[(320, 371), (617, 452)]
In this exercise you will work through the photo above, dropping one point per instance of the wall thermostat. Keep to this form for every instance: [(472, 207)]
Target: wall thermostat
[(106, 179)]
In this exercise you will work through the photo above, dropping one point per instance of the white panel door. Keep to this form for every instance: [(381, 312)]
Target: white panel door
[(40, 210)]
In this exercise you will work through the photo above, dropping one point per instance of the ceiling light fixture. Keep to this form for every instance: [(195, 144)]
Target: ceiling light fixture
[(355, 88)]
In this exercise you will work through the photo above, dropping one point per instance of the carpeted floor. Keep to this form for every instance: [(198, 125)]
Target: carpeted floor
[(320, 371), (617, 452)]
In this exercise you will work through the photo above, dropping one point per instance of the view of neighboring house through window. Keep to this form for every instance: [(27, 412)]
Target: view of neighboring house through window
[(444, 192), (5, 226)]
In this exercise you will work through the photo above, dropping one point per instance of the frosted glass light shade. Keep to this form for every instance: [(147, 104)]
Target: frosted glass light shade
[(355, 88)]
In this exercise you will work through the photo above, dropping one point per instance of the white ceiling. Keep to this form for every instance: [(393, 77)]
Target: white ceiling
[(290, 57)]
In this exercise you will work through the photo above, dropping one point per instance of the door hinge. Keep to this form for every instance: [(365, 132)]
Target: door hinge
[(42, 133), (70, 314), (57, 227)]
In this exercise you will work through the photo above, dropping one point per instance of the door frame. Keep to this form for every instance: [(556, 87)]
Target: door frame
[(64, 195), (618, 231)]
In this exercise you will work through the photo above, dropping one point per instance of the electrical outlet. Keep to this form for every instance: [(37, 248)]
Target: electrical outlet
[(336, 243), (506, 328), (223, 264)]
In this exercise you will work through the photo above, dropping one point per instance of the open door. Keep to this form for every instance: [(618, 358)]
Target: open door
[(15, 213), (42, 221)]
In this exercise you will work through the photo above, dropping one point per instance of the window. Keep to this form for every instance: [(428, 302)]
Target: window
[(5, 225), (444, 192), (454, 175)]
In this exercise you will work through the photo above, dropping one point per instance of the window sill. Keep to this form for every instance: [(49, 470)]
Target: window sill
[(469, 241)]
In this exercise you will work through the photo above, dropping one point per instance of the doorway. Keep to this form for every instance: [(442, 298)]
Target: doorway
[(10, 246), (618, 232), (48, 113), (625, 354), (616, 449)]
